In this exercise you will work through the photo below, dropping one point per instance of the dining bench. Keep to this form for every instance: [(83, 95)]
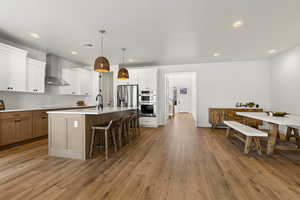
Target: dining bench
[(250, 133)]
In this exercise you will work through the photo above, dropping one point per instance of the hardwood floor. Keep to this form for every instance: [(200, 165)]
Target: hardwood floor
[(177, 161)]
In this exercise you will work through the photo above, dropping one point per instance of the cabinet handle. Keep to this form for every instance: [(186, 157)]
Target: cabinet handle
[(17, 120), (44, 117)]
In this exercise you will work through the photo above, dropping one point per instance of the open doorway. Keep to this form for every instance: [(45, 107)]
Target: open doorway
[(181, 94)]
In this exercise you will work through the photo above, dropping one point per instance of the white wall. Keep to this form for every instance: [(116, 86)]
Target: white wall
[(285, 80), (224, 84)]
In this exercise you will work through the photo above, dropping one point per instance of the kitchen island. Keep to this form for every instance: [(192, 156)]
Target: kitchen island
[(70, 130)]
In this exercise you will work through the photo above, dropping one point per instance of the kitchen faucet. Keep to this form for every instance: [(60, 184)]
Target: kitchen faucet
[(99, 99)]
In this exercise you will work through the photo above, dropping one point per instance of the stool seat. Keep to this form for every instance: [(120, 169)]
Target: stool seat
[(105, 128)]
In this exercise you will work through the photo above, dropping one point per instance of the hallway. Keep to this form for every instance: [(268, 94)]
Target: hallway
[(175, 162)]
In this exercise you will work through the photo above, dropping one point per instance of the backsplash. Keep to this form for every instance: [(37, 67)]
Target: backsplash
[(17, 100)]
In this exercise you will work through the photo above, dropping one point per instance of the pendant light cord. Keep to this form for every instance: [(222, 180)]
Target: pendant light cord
[(101, 44), (123, 56)]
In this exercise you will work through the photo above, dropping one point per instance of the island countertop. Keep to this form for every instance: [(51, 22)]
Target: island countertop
[(92, 111)]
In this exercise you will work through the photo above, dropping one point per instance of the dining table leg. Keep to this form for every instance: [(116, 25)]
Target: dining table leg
[(272, 138)]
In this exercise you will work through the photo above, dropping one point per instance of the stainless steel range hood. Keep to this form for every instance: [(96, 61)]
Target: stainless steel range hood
[(54, 71)]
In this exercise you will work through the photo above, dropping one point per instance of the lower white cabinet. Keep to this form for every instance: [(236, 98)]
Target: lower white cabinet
[(35, 76), (12, 68)]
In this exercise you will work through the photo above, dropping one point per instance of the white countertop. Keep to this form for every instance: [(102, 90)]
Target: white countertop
[(91, 111), (41, 108), (289, 120)]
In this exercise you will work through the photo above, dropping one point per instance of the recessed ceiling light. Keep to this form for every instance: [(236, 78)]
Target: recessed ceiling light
[(238, 24), (88, 45), (34, 35), (130, 60), (217, 54), (271, 51), (74, 52)]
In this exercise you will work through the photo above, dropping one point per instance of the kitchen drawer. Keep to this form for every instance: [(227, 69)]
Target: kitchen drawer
[(40, 113), (11, 115)]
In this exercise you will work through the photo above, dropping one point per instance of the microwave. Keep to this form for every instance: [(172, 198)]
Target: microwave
[(146, 92)]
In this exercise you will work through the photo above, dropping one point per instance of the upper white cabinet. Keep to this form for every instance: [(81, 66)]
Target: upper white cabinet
[(71, 76), (147, 78), (133, 76), (80, 81), (85, 81), (35, 76), (12, 68)]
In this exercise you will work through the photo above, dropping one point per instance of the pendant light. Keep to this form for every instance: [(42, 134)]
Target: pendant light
[(123, 72), (101, 63)]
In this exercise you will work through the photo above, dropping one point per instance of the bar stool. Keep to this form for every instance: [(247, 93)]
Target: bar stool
[(136, 124), (124, 130), (109, 128)]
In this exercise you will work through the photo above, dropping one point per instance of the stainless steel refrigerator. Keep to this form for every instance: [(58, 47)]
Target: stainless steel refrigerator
[(128, 95)]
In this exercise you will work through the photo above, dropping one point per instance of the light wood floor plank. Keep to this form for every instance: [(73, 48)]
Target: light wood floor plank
[(174, 162)]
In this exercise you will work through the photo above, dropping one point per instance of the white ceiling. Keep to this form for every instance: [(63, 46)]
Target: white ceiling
[(155, 31)]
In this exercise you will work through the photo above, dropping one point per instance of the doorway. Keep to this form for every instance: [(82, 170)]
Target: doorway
[(181, 94)]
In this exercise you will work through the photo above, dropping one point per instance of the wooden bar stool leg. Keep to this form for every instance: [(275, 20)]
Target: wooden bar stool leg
[(114, 138), (92, 143), (106, 145), (128, 131), (120, 135)]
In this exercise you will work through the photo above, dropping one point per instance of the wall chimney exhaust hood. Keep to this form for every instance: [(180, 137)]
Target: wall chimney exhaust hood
[(54, 71)]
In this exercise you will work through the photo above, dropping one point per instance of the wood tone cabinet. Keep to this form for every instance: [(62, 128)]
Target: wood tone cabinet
[(40, 123), (20, 126), (217, 116), (15, 127)]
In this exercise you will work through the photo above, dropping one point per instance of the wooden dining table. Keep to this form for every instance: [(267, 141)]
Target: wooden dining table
[(288, 121)]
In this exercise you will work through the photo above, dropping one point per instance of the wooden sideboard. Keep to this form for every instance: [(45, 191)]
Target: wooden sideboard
[(217, 116)]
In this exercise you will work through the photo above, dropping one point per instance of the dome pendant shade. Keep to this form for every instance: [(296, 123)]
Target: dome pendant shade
[(101, 64), (123, 74)]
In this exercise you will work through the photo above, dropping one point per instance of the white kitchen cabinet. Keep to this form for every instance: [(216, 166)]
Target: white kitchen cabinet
[(80, 80), (70, 75), (12, 68), (85, 81), (133, 76), (35, 76), (147, 78)]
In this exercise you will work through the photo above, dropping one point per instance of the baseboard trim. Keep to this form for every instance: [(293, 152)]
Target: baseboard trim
[(204, 125)]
